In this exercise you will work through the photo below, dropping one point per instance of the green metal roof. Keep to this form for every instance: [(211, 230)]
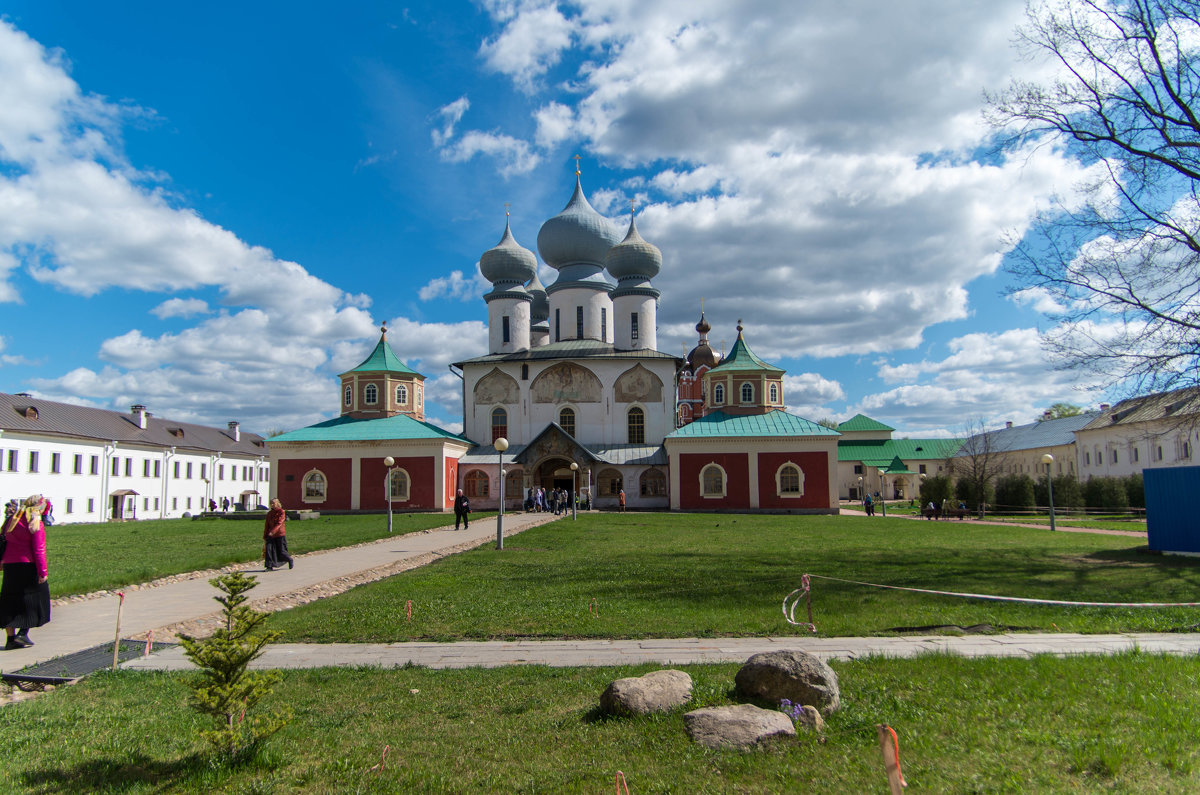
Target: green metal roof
[(773, 423), (880, 452), (861, 422), (897, 467), (570, 349), (383, 359), (349, 429), (741, 358)]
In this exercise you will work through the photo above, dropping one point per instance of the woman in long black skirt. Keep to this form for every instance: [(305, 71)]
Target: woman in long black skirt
[(25, 592)]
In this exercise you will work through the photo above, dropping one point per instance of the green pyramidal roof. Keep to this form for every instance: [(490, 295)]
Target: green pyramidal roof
[(861, 422), (741, 358), (383, 359)]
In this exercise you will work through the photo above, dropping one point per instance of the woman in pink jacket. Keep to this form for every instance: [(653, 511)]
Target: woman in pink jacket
[(25, 593)]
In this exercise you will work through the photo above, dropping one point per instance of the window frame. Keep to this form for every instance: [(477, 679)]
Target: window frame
[(746, 387), (404, 482), (499, 429), (401, 394), (711, 494), (780, 474), (568, 426), (370, 395), (635, 432), (314, 487)]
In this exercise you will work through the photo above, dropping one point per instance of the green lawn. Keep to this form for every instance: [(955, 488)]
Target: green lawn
[(1115, 724), (681, 575), (90, 557)]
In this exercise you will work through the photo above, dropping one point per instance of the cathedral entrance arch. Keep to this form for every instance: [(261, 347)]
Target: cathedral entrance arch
[(554, 473)]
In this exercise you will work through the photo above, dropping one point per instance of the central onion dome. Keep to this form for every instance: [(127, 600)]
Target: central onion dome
[(578, 234), (633, 257), (508, 261)]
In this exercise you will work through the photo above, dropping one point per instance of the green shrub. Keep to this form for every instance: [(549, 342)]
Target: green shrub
[(1106, 493), (1014, 492), (1135, 490), (936, 489), (965, 491), (1067, 492)]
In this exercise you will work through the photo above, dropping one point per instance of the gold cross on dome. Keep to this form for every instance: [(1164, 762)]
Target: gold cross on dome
[(576, 158)]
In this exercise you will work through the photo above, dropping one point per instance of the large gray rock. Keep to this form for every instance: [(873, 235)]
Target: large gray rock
[(736, 727), (795, 675), (657, 691)]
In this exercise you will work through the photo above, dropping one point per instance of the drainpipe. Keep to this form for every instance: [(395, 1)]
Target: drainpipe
[(110, 449), (166, 473)]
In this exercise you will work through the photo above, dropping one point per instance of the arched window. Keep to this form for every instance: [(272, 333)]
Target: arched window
[(566, 419), (712, 481), (401, 395), (653, 483), (371, 395), (314, 486), (348, 395), (420, 397), (637, 426), (789, 481), (399, 481), (499, 423), (475, 484), (774, 393), (747, 392), (718, 393)]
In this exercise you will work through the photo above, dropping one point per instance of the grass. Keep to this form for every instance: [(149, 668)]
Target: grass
[(681, 575), (1125, 723), (91, 557)]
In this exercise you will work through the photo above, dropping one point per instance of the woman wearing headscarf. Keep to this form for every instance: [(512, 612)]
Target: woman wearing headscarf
[(275, 538), (25, 592)]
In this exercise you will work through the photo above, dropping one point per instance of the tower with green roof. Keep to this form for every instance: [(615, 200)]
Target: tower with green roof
[(743, 383), (382, 386)]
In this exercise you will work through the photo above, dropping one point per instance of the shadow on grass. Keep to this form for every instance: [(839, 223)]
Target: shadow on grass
[(113, 774)]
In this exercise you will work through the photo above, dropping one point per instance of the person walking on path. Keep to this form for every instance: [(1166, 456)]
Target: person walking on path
[(462, 508), (275, 538), (25, 592)]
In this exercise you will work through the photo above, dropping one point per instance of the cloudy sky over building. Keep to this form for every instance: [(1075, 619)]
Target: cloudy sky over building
[(209, 209)]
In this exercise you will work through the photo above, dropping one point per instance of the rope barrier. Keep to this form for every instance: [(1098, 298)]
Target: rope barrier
[(620, 780), (789, 613), (149, 643), (408, 610), (594, 609), (382, 761)]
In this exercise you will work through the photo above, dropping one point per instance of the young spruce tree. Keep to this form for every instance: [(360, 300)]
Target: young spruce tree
[(226, 689)]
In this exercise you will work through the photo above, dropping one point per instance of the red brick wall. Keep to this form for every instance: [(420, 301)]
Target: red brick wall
[(420, 487), (337, 475), (737, 486), (815, 467)]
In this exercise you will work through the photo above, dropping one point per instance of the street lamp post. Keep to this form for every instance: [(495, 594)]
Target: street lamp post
[(862, 495), (883, 492), (501, 445), (574, 492), (390, 463), (1048, 459)]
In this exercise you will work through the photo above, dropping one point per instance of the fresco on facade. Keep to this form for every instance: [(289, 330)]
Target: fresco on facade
[(638, 385), (496, 387), (566, 383)]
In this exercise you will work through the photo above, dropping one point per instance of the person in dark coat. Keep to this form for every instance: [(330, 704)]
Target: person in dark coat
[(25, 593), (462, 508), (275, 549)]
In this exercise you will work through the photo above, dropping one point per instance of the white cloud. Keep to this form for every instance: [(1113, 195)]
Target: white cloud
[(515, 155), (180, 307), (455, 286), (807, 394), (450, 116), (531, 42), (555, 124)]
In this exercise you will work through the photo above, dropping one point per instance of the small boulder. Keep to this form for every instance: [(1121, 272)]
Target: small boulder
[(736, 727), (794, 675), (809, 718), (657, 691)]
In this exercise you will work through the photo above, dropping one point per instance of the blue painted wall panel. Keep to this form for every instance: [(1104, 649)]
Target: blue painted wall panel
[(1172, 522)]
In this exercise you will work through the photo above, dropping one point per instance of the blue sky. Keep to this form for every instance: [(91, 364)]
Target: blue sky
[(210, 209)]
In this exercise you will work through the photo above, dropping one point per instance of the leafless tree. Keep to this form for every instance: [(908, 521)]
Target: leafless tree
[(1123, 264), (979, 461)]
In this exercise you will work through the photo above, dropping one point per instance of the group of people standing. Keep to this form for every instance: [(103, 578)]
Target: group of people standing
[(556, 501)]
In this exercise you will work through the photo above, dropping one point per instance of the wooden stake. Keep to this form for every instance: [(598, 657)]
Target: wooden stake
[(890, 747), (117, 636)]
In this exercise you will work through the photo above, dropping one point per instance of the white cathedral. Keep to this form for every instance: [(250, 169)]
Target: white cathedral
[(572, 376)]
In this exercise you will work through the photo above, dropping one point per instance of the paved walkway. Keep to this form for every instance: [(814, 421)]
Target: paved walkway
[(82, 625), (679, 651)]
